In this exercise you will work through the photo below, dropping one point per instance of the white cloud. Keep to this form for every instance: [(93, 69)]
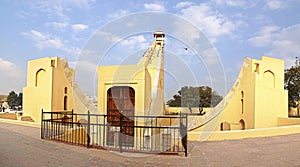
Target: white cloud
[(281, 42), (50, 9), (48, 4), (263, 19), (107, 36), (233, 3), (275, 4), (60, 26), (154, 7), (79, 27), (118, 14), (191, 37), (209, 21), (184, 4), (81, 4), (59, 8), (210, 56), (46, 41), (136, 42), (7, 67), (11, 77), (264, 36), (43, 41)]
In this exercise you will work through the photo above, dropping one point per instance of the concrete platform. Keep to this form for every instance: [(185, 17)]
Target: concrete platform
[(21, 146)]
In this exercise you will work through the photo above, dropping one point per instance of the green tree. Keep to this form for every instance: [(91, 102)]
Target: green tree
[(202, 96), (176, 101), (20, 99), (292, 84), (13, 99)]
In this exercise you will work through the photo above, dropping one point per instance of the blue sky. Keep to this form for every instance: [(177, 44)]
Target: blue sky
[(236, 29)]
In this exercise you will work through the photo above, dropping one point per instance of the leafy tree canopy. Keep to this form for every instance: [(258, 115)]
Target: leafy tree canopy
[(202, 96), (14, 99), (292, 83)]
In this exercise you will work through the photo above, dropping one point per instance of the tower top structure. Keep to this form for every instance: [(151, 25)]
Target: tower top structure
[(159, 36)]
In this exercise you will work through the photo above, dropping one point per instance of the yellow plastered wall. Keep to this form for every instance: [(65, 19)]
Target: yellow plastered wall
[(271, 100), (46, 83), (126, 75), (242, 105), (38, 95), (134, 76), (61, 88), (264, 96)]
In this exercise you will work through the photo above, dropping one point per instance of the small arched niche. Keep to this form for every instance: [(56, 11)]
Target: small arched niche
[(40, 77), (269, 79), (224, 126), (242, 124)]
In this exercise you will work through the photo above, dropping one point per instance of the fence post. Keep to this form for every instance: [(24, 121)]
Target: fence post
[(42, 127), (88, 130), (121, 130), (183, 131), (186, 131), (72, 124)]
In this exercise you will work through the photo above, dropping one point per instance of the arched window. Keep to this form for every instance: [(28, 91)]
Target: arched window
[(256, 68), (66, 103), (52, 63), (40, 77), (66, 90), (269, 79), (242, 101)]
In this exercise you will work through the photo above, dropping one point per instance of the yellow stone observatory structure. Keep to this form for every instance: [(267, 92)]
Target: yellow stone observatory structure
[(257, 99), (51, 87)]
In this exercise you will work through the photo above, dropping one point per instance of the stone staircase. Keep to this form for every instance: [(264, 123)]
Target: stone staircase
[(86, 101), (26, 118)]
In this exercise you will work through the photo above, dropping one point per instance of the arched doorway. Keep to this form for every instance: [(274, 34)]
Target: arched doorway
[(242, 124), (224, 126), (120, 101)]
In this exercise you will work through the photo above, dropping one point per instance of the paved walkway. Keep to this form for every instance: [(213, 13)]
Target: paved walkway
[(21, 146)]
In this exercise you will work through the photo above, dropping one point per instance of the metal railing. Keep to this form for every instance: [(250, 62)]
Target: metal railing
[(148, 134)]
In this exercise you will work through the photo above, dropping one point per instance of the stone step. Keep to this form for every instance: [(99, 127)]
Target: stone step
[(27, 118)]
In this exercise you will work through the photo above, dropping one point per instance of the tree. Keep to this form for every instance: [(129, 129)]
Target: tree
[(20, 99), (176, 101), (202, 96), (13, 99), (292, 84)]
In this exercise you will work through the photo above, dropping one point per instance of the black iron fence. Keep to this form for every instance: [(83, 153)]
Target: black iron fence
[(149, 134)]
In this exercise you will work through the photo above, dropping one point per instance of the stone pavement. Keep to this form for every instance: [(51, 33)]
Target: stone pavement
[(21, 146)]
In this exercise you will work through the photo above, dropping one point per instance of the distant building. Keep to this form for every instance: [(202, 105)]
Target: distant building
[(3, 98)]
